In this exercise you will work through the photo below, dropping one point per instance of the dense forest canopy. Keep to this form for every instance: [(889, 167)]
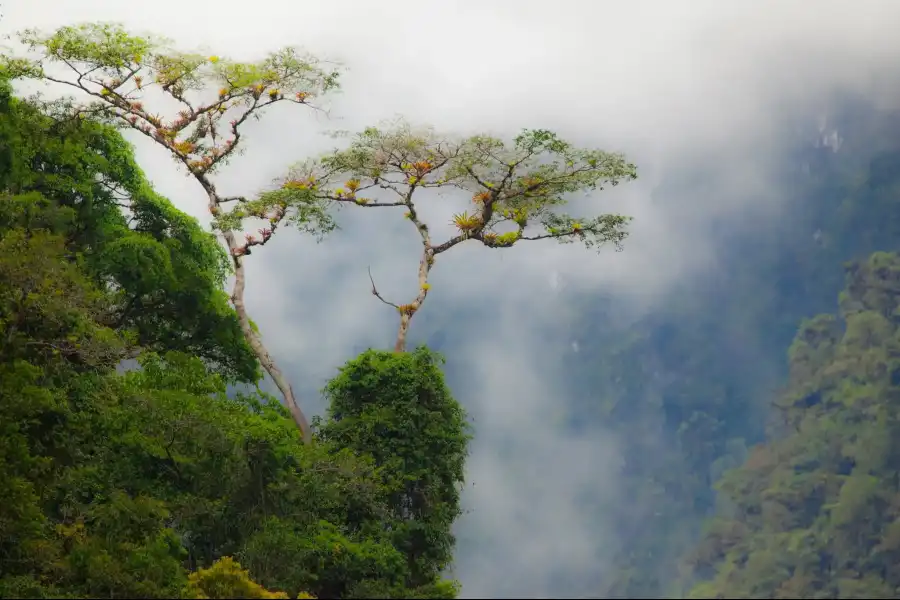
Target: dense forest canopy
[(757, 423), (152, 482), (813, 512)]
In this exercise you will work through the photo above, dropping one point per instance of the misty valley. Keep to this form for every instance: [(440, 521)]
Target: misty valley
[(730, 434)]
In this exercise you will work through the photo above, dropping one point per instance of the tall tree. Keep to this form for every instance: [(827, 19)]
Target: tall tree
[(516, 190), (118, 72), (166, 273)]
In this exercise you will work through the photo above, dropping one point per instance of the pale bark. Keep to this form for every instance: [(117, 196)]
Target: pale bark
[(122, 107), (407, 312), (252, 337), (400, 344)]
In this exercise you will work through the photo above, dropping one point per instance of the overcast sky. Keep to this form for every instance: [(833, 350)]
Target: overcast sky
[(698, 86)]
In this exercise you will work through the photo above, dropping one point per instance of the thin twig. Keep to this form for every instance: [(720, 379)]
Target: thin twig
[(376, 294)]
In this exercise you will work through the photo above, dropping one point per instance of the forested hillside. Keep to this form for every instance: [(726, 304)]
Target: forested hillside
[(691, 387), (813, 513)]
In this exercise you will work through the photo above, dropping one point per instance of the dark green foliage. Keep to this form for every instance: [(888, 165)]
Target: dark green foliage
[(117, 485), (396, 408), (48, 308), (143, 484), (166, 271), (812, 513)]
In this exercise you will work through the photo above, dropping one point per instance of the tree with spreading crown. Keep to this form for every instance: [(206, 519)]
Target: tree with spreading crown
[(120, 73), (516, 187)]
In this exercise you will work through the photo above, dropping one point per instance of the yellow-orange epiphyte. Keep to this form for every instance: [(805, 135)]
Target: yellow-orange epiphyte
[(466, 222)]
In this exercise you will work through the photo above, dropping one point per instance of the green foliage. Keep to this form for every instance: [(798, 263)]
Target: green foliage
[(145, 483), (226, 579), (119, 484), (49, 308), (97, 44), (811, 513), (324, 559), (516, 184), (72, 178), (106, 49), (396, 408)]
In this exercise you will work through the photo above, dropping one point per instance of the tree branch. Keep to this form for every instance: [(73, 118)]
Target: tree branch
[(378, 295)]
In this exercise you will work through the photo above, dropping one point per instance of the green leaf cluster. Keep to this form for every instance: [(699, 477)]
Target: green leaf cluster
[(79, 179), (527, 180), (396, 409)]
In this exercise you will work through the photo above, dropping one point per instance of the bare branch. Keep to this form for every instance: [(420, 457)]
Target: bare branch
[(376, 294)]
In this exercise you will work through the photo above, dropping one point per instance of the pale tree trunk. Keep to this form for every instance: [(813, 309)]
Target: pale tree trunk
[(400, 345), (252, 337), (407, 312)]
